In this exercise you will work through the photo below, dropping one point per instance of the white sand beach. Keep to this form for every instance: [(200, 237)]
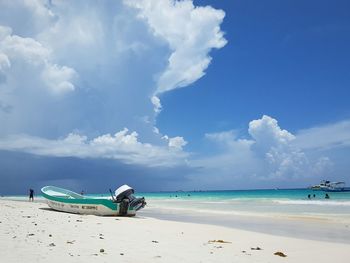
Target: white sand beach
[(31, 232)]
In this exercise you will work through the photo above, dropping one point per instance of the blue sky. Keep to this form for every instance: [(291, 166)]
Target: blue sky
[(286, 59), (168, 95)]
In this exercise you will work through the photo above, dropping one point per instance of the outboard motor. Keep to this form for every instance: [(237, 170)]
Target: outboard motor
[(125, 198)]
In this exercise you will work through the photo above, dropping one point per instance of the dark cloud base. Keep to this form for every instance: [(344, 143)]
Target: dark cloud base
[(21, 171)]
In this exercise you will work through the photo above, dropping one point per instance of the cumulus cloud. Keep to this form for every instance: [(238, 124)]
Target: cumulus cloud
[(191, 33), (57, 46), (274, 144), (25, 50), (177, 142), (267, 131), (70, 66), (269, 154), (58, 78), (123, 146)]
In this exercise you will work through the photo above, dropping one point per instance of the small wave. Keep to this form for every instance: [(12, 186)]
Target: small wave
[(313, 202)]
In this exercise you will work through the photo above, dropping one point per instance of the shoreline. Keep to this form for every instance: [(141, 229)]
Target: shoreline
[(34, 232), (286, 226), (308, 227)]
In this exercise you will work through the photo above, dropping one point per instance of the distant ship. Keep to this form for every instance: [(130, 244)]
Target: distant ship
[(322, 185), (329, 186)]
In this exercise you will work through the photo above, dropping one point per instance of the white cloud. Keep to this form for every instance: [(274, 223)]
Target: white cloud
[(58, 78), (47, 47), (267, 131), (5, 31), (4, 62), (25, 50), (51, 48), (177, 142), (123, 146), (56, 46), (274, 144), (28, 49), (335, 135), (191, 32), (156, 103), (269, 154), (4, 66)]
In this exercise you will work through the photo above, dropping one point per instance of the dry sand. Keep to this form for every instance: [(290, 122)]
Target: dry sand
[(31, 232)]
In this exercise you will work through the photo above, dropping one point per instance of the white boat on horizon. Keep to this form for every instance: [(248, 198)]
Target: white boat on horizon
[(329, 186), (322, 185), (122, 203), (337, 187)]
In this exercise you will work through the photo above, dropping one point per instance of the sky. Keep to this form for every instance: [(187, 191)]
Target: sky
[(173, 95)]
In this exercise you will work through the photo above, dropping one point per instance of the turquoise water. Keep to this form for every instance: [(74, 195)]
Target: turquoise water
[(258, 203), (285, 194), (287, 202), (260, 194)]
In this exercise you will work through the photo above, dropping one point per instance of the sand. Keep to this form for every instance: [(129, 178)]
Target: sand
[(31, 232)]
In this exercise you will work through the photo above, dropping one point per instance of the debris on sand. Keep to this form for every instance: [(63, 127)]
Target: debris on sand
[(155, 241), (218, 241), (281, 254), (255, 248), (52, 245), (71, 242), (102, 250)]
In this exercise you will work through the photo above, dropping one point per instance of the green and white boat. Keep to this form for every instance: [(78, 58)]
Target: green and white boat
[(122, 203)]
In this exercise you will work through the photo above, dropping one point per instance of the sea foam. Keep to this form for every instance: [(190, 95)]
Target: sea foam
[(313, 202)]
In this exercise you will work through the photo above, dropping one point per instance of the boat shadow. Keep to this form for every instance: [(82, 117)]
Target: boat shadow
[(50, 209)]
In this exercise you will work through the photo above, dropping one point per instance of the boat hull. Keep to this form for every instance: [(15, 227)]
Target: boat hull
[(86, 209), (347, 189), (85, 205)]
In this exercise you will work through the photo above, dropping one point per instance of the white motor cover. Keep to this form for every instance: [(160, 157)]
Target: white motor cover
[(122, 189)]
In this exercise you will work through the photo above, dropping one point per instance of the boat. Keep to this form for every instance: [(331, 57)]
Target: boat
[(122, 203), (329, 186), (321, 186), (336, 187)]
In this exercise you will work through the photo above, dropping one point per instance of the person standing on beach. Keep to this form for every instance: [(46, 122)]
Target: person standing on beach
[(31, 195)]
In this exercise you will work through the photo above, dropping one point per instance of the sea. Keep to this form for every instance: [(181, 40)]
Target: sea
[(300, 213), (260, 202), (297, 213), (246, 202)]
